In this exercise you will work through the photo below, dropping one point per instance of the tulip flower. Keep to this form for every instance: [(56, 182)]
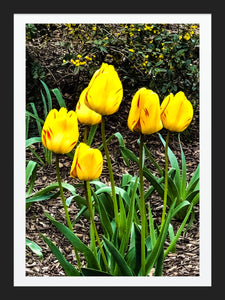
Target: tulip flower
[(176, 112), (105, 92), (144, 115), (86, 115), (87, 163), (60, 131)]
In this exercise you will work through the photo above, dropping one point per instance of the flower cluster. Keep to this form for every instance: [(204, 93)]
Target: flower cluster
[(102, 97)]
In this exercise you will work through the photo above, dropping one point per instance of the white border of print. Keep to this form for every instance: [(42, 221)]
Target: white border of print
[(204, 279)]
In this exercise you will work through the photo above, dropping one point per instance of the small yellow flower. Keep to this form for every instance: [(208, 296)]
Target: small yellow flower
[(78, 56), (94, 28), (187, 36), (131, 50)]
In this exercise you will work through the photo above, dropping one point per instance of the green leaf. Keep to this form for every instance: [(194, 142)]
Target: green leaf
[(31, 166), (105, 221), (67, 267), (35, 248), (92, 134), (37, 118), (54, 186), (122, 264), (28, 113), (32, 141), (184, 171), (44, 104), (59, 97), (133, 256), (152, 257), (108, 190), (93, 272), (172, 236), (49, 98), (39, 198), (76, 242), (151, 226)]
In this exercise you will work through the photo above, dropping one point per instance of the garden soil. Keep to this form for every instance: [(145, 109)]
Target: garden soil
[(185, 262)]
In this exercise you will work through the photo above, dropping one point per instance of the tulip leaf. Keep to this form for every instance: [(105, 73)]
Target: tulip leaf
[(67, 267), (37, 118), (76, 242), (32, 141), (35, 248), (39, 198), (59, 97), (184, 171), (121, 262), (105, 221), (49, 98), (120, 191), (153, 255), (92, 134), (93, 272)]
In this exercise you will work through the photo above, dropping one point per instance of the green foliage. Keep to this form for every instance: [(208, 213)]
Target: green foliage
[(179, 188), (35, 248), (161, 57)]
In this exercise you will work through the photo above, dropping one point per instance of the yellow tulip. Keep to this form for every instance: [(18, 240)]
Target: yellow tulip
[(86, 115), (176, 112), (60, 131), (87, 163), (105, 91), (144, 115)]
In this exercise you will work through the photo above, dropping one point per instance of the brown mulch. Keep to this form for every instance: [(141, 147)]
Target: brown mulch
[(185, 262)]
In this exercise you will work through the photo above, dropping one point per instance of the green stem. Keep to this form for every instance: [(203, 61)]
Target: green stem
[(65, 206), (85, 134), (110, 171), (142, 207), (90, 208), (166, 179)]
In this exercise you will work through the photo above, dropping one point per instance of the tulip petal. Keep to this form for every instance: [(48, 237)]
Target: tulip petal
[(60, 131), (144, 115), (105, 91), (86, 115), (176, 112), (87, 163)]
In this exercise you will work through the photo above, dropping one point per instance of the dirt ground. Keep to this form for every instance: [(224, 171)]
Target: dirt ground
[(185, 262)]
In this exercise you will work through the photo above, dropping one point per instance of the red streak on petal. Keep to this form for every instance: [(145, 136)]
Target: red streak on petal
[(48, 135), (138, 102), (146, 112), (78, 107), (79, 166), (73, 143)]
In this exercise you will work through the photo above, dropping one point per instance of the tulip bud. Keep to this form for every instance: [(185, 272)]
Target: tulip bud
[(87, 163), (105, 91), (176, 112), (144, 115), (86, 115), (60, 131)]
